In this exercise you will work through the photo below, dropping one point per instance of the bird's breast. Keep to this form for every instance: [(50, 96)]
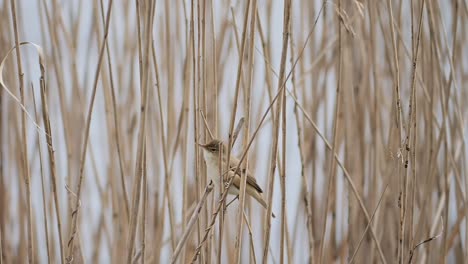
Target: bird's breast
[(212, 168)]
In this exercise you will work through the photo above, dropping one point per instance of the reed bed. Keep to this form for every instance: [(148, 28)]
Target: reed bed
[(351, 114)]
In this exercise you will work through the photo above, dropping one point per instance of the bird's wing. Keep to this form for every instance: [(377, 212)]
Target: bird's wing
[(234, 162), (250, 180)]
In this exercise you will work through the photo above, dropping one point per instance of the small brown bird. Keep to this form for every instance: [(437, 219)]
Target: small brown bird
[(211, 155)]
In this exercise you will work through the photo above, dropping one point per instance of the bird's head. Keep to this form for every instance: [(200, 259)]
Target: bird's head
[(212, 147)]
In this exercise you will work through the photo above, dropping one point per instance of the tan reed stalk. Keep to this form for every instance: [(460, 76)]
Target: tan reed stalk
[(247, 107), (75, 213), (139, 169), (44, 211), (25, 159)]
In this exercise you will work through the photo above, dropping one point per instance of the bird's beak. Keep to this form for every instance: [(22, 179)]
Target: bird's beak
[(201, 145)]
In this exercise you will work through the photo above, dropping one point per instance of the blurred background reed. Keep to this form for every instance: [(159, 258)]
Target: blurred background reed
[(354, 121)]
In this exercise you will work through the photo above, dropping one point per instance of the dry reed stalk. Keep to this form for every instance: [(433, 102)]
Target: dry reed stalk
[(25, 159), (201, 85), (116, 122), (139, 167), (286, 29), (52, 161), (247, 107), (331, 175), (145, 207), (75, 214), (190, 224), (274, 151), (167, 176), (408, 143), (41, 163), (305, 192), (1, 248)]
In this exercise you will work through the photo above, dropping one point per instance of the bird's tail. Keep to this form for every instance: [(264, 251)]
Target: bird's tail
[(258, 196)]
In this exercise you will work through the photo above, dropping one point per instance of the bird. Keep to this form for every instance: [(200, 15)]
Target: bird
[(211, 152)]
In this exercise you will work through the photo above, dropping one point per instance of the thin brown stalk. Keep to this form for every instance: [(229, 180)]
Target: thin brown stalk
[(25, 159), (44, 209), (274, 150), (185, 157), (247, 107), (331, 175), (304, 184), (216, 97), (286, 29), (191, 223), (144, 71), (75, 213), (202, 82), (252, 248), (397, 71), (409, 126), (1, 168), (1, 247), (368, 226), (239, 78), (145, 206), (167, 176), (194, 111), (59, 72), (52, 163), (116, 124)]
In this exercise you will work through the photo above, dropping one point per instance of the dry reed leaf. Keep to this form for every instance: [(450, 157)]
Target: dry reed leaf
[(2, 82)]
